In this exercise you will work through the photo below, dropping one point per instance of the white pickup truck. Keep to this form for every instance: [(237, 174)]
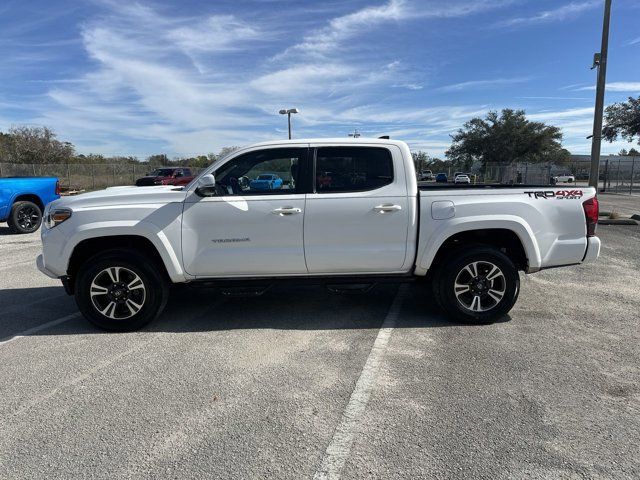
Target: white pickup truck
[(340, 212)]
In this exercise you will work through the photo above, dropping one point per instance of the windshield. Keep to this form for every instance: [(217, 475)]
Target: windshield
[(264, 177)]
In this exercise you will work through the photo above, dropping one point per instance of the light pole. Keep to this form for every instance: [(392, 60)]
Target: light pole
[(599, 61), (288, 112)]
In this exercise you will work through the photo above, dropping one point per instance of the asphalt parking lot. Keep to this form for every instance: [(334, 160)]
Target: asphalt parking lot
[(625, 205), (301, 382)]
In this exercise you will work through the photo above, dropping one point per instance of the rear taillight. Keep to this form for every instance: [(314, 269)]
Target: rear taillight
[(57, 187), (591, 209)]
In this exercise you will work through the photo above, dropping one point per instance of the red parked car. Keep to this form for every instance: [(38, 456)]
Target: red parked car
[(166, 176)]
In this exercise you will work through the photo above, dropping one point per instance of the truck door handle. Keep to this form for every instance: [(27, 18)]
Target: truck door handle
[(286, 211), (387, 207)]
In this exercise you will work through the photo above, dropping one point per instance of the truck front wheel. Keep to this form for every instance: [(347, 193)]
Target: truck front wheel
[(25, 217), (477, 284), (120, 290)]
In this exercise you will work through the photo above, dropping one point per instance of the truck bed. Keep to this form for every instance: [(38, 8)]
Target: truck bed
[(549, 220)]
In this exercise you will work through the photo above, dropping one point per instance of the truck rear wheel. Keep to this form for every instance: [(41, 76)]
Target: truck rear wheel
[(25, 217), (120, 290), (477, 284)]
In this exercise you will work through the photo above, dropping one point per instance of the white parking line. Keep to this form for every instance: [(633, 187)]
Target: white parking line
[(31, 331), (339, 448)]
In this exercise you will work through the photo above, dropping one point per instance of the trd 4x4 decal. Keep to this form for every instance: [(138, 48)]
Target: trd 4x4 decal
[(558, 194)]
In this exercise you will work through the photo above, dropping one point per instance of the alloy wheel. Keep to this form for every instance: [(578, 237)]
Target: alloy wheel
[(480, 286), (117, 293), (27, 217)]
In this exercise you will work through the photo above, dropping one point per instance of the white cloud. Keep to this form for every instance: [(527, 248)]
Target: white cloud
[(146, 85), (215, 33), (575, 123), (565, 12), (617, 87), (409, 86), (303, 79), (339, 29), (635, 41), (555, 115), (325, 40), (482, 84), (167, 82)]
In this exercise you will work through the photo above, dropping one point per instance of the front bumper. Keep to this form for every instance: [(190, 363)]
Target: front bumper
[(41, 266), (593, 250)]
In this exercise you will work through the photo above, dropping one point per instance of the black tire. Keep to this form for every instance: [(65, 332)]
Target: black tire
[(25, 217), (461, 304), (94, 276)]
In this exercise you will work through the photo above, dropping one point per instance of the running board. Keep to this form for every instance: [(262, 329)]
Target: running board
[(350, 288), (244, 291)]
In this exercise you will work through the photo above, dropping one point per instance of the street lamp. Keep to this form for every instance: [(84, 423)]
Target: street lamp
[(288, 112)]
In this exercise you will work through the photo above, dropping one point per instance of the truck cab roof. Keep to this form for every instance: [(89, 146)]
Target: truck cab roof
[(336, 141)]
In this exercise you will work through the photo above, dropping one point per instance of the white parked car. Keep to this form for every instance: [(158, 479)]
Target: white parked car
[(462, 179), (565, 179), (355, 215)]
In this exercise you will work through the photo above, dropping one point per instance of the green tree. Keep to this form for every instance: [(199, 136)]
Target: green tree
[(504, 139), (631, 153), (6, 147), (226, 151), (38, 145), (201, 161), (158, 160), (622, 120), (420, 160)]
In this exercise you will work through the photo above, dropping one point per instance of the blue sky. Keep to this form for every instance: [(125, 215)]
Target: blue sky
[(188, 77)]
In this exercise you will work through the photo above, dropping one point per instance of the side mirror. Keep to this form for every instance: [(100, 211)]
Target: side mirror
[(206, 185)]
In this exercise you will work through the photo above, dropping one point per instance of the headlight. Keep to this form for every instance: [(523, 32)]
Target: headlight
[(56, 216)]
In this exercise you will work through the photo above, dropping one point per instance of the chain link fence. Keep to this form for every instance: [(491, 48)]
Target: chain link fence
[(617, 174), (620, 175), (82, 176)]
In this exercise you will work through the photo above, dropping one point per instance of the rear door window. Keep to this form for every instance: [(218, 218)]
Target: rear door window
[(352, 169)]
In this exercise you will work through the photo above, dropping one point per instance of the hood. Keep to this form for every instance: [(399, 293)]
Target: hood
[(159, 194)]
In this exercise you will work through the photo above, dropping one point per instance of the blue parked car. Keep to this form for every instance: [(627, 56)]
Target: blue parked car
[(266, 181), (22, 201), (441, 178)]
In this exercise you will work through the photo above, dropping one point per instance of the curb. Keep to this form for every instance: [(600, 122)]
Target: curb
[(617, 221)]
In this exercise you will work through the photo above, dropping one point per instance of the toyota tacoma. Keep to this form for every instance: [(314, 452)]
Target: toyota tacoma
[(118, 250)]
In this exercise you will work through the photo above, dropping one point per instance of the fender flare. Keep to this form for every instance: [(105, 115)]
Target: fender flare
[(135, 228), (446, 229)]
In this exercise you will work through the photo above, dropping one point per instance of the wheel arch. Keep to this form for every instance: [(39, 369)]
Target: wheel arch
[(156, 251), (514, 238), (29, 197)]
